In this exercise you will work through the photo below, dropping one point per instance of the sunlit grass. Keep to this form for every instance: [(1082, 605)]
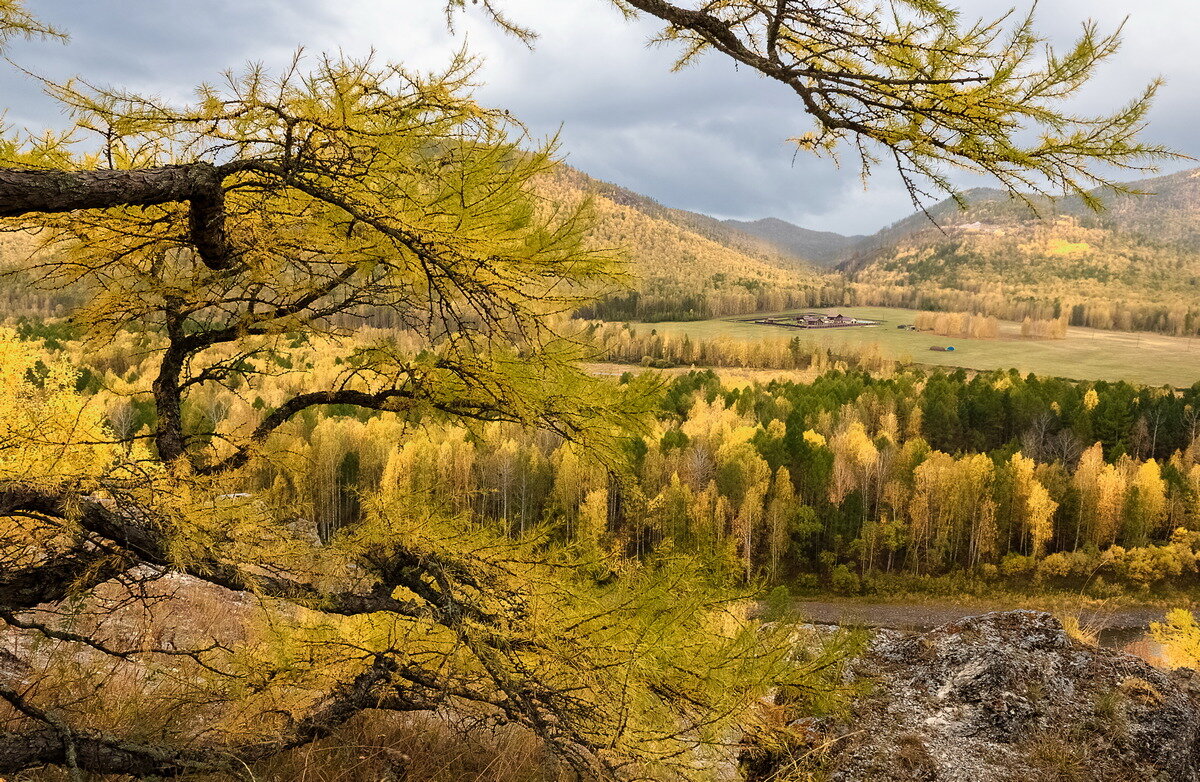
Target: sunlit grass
[(1085, 354)]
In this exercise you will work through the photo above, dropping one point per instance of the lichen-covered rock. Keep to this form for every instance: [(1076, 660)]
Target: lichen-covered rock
[(1009, 696)]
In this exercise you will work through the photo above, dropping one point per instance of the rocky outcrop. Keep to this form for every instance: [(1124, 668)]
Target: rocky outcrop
[(1010, 696)]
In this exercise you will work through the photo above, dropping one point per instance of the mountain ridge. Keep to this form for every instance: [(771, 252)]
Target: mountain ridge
[(684, 265), (701, 224), (1134, 265), (824, 248)]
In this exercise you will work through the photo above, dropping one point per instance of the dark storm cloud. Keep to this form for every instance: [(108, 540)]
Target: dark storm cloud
[(711, 138)]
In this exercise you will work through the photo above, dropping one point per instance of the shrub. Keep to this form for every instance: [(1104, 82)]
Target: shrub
[(1017, 566), (1055, 566), (844, 581), (777, 605), (1180, 637)]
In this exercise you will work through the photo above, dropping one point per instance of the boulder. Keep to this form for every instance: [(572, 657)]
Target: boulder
[(1010, 696)]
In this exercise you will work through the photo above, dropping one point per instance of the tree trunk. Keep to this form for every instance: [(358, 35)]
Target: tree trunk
[(30, 191)]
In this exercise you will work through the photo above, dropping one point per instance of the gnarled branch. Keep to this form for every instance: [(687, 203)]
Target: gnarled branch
[(31, 191)]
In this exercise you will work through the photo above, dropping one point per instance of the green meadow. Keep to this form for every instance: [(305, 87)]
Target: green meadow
[(1085, 354)]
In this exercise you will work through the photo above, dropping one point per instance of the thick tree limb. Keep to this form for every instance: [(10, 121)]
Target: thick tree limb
[(443, 587), (95, 752), (21, 751), (56, 578), (79, 566), (135, 539), (380, 686), (30, 191)]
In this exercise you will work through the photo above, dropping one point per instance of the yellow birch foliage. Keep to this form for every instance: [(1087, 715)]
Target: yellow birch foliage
[(1087, 482), (593, 519), (1112, 487), (1180, 637), (48, 432), (1147, 502), (1032, 502), (783, 502), (854, 460), (1194, 483), (1040, 513)]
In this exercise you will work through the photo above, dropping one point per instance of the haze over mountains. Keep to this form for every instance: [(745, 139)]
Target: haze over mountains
[(1145, 241), (683, 265), (660, 239), (823, 248), (1168, 214), (1133, 266)]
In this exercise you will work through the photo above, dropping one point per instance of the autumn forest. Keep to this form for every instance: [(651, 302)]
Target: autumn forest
[(348, 434)]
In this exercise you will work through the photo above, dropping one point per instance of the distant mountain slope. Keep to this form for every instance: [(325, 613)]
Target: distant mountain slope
[(702, 225), (19, 296), (1168, 214), (1134, 265), (1171, 214), (686, 265), (822, 247)]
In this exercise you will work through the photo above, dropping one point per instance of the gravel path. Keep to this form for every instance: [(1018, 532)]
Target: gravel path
[(926, 616)]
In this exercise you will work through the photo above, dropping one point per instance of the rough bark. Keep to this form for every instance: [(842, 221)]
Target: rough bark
[(380, 686), (48, 747), (56, 578), (31, 191)]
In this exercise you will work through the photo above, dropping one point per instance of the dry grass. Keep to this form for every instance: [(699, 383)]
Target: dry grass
[(1085, 354), (1085, 630), (1056, 760), (378, 747), (914, 759), (126, 696)]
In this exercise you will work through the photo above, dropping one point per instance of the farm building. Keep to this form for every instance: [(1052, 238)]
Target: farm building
[(816, 320)]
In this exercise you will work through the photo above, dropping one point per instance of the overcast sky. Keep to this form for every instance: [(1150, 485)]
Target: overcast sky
[(710, 139)]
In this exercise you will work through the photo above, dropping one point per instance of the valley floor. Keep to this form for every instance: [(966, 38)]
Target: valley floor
[(1085, 354), (926, 615)]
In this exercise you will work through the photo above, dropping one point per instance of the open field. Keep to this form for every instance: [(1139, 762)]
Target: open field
[(730, 376), (1085, 354)]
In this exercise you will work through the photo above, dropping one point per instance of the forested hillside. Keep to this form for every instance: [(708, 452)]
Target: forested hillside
[(19, 295), (1134, 265), (683, 265), (864, 479), (312, 468), (728, 233)]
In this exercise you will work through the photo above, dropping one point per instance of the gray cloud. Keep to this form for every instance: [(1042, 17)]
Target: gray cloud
[(710, 138), (162, 48)]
